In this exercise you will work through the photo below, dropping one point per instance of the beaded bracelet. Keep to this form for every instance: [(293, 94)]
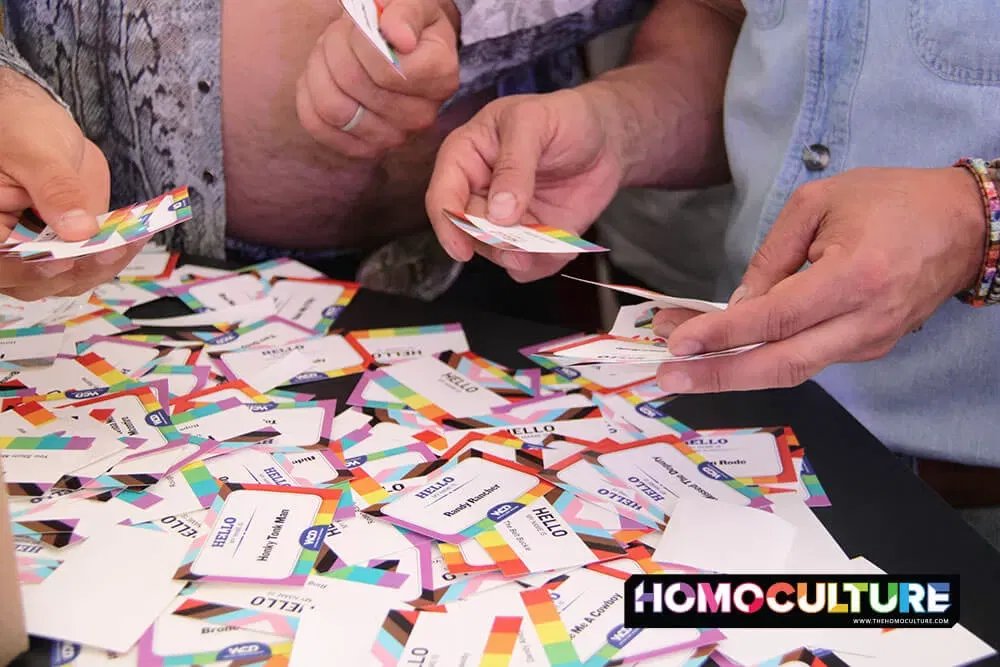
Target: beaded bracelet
[(986, 291)]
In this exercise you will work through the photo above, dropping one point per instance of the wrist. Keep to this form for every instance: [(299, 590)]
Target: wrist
[(617, 121), (983, 287)]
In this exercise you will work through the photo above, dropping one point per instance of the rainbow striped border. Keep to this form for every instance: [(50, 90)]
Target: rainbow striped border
[(45, 443), (429, 464), (373, 576), (501, 642), (409, 398), (333, 310), (549, 627), (456, 563)]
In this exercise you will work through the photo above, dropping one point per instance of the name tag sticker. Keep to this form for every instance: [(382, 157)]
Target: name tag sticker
[(462, 500), (261, 533)]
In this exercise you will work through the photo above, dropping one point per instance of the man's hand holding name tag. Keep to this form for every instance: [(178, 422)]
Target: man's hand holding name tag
[(379, 74)]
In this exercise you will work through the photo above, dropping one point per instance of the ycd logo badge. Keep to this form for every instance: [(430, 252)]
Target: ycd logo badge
[(568, 373), (355, 461), (225, 338), (620, 635), (86, 393), (309, 376), (158, 417), (709, 470), (651, 409), (312, 538), (502, 511), (331, 312), (244, 651), (63, 653)]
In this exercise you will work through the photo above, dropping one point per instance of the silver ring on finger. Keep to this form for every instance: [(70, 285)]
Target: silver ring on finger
[(355, 120)]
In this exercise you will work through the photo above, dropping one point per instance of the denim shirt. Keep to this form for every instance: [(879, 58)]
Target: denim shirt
[(893, 83)]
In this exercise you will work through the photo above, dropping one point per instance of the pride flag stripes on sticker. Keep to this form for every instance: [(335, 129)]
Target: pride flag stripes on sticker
[(45, 442), (502, 641), (550, 628), (238, 617), (530, 237)]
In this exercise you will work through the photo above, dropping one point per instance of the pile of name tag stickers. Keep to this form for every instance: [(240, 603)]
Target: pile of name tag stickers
[(176, 500)]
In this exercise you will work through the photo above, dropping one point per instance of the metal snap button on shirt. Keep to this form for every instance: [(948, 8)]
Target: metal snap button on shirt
[(816, 157)]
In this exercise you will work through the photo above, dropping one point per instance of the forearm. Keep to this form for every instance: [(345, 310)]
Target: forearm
[(663, 110)]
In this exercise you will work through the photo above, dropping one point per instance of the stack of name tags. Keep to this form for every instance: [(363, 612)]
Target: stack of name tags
[(177, 500)]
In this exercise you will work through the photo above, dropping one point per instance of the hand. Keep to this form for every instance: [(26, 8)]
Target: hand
[(346, 70), (525, 159), (886, 246), (47, 164)]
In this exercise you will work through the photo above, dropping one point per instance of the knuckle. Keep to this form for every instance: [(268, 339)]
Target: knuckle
[(872, 276), (726, 333), (809, 193), (793, 370), (76, 289), (714, 379), (781, 323), (425, 116), (351, 80), (761, 260), (60, 189), (445, 75), (323, 115), (420, 117)]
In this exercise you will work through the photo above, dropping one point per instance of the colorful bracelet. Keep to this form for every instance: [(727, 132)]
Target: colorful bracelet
[(986, 291)]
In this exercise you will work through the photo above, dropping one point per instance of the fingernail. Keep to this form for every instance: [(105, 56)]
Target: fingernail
[(664, 329), (740, 294), (502, 205), (413, 33), (76, 221), (685, 348), (675, 382), (456, 252), (54, 267), (110, 256), (513, 261)]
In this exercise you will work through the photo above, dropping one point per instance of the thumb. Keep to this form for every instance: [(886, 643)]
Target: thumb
[(59, 195), (786, 247), (403, 21), (522, 129)]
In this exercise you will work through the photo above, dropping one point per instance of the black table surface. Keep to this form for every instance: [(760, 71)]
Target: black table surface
[(881, 510)]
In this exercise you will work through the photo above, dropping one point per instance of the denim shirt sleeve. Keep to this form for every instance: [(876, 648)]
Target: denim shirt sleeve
[(10, 58)]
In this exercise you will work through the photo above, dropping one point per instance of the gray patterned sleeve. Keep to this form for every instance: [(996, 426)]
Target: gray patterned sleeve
[(10, 58), (499, 35)]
